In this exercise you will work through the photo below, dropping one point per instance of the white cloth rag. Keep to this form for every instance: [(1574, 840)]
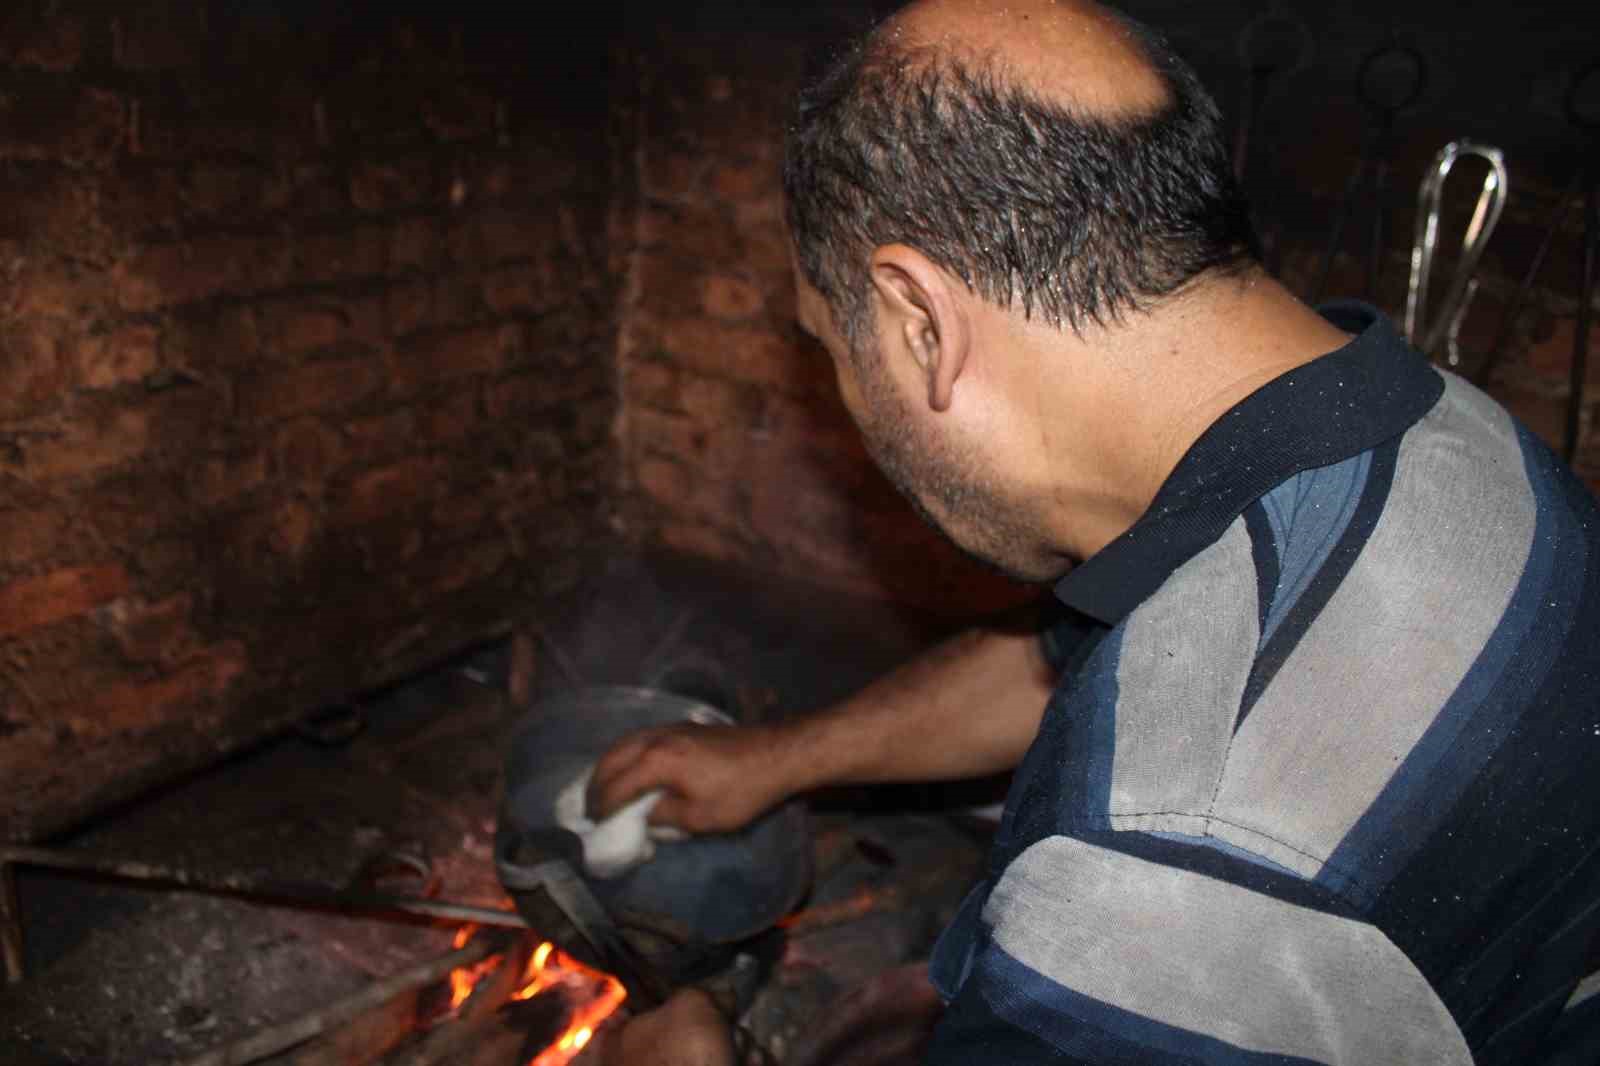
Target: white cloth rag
[(614, 845)]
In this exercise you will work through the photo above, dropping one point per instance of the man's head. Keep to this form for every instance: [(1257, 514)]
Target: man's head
[(1050, 160), (1079, 186)]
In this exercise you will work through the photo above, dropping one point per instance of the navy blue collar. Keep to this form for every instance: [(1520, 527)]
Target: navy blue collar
[(1371, 390)]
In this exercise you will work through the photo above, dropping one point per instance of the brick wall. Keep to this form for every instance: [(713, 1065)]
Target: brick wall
[(307, 372), (736, 442), (737, 445), (310, 319)]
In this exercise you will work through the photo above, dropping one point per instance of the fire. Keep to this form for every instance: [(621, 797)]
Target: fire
[(464, 979), (547, 968)]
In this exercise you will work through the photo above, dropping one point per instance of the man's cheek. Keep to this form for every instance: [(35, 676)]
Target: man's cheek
[(849, 392)]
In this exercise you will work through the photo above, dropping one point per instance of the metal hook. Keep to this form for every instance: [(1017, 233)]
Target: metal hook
[(1273, 46), (1391, 79), (1425, 333)]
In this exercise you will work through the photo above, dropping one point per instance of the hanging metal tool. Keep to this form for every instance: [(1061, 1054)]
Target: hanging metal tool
[(1444, 326), (1391, 79), (1583, 111), (1583, 114), (1271, 47), (1519, 300)]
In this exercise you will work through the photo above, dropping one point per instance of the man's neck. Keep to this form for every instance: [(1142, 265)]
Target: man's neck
[(1169, 375)]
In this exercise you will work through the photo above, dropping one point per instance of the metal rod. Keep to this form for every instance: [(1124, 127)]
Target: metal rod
[(563, 662), (1384, 99), (1258, 46), (1341, 215), (11, 925), (285, 894), (668, 642), (1519, 300), (1378, 227), (278, 1038), (1257, 78), (1580, 344)]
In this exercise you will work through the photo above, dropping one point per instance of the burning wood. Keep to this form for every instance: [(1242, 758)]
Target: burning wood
[(508, 1000), (590, 997)]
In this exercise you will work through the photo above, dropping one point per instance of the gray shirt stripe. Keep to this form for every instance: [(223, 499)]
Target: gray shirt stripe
[(1192, 952), (1369, 677)]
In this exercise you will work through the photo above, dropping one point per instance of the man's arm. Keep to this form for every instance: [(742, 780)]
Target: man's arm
[(966, 708)]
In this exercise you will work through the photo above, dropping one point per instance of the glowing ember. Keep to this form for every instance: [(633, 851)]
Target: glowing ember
[(466, 978), (549, 967), (600, 994)]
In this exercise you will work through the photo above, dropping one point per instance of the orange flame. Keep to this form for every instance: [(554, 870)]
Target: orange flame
[(548, 968), (465, 978)]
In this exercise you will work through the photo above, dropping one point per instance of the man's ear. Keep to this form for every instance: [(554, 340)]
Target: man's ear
[(921, 314)]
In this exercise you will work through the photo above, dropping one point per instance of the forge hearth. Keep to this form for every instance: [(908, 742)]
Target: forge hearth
[(338, 339), (120, 974)]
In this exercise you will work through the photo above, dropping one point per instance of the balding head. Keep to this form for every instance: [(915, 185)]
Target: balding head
[(1056, 157), (1075, 53)]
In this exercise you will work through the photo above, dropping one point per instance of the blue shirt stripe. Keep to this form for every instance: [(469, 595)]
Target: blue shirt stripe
[(1004, 994), (1485, 707)]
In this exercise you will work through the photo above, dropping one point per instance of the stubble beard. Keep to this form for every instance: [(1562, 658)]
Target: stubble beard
[(924, 469)]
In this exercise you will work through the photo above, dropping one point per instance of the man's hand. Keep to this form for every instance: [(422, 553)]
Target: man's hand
[(687, 1030), (969, 707), (717, 778)]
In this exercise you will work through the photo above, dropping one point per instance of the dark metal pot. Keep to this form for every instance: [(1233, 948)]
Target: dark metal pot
[(705, 890)]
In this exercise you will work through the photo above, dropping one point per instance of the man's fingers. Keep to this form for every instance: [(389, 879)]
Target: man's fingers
[(610, 781), (704, 772), (621, 788), (635, 771), (622, 754), (673, 810)]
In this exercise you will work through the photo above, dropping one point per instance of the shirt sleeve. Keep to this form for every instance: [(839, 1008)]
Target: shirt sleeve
[(1094, 955)]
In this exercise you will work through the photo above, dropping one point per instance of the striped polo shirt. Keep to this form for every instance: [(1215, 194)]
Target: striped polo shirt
[(1318, 784)]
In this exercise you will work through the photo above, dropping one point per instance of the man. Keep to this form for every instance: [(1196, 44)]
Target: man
[(1306, 773)]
